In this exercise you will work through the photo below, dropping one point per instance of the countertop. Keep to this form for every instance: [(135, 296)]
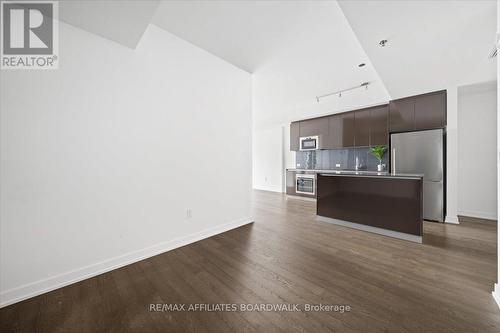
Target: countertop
[(361, 173)]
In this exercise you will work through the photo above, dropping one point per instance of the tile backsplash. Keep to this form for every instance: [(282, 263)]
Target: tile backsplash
[(341, 159)]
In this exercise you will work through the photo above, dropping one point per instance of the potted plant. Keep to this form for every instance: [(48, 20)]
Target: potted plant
[(379, 152)]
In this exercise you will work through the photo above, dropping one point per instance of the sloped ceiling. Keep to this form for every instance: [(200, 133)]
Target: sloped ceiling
[(244, 33), (432, 44), (320, 56), (297, 50), (121, 21)]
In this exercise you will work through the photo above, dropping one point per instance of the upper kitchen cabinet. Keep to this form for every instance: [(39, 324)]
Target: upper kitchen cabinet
[(402, 115), (334, 132), (348, 129), (420, 112), (430, 110), (313, 127), (294, 136), (371, 126), (341, 131), (362, 127), (379, 125)]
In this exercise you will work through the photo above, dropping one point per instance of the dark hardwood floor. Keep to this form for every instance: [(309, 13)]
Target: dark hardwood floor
[(287, 257)]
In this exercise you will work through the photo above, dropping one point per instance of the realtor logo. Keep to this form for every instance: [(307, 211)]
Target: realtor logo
[(29, 35)]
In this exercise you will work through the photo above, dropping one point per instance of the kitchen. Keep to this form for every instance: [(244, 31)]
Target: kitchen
[(372, 160)]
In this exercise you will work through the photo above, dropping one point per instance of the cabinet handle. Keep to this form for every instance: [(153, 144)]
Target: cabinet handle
[(393, 158)]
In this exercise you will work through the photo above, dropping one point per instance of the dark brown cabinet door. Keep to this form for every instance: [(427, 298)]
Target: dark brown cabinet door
[(340, 131), (316, 126), (362, 128), (379, 126), (402, 115), (290, 182), (430, 110), (334, 132), (294, 135), (348, 129), (371, 126)]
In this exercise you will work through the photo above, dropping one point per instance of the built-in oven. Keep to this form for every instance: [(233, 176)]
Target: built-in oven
[(309, 143), (305, 184)]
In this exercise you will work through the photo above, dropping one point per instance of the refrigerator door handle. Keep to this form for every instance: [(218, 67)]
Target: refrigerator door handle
[(393, 159)]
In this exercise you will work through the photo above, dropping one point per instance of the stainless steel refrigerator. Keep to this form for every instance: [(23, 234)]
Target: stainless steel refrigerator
[(422, 152)]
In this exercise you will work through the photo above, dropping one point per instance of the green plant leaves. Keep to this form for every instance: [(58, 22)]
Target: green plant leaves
[(378, 152)]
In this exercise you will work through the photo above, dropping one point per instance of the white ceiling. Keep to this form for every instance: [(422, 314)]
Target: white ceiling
[(432, 44), (244, 33), (321, 56), (300, 49), (120, 21), (295, 49)]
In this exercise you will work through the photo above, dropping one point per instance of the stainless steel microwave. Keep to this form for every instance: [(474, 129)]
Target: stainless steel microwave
[(309, 142)]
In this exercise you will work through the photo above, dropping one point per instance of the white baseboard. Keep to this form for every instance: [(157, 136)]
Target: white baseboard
[(269, 189), (480, 215), (453, 219), (496, 294), (39, 287), (297, 197)]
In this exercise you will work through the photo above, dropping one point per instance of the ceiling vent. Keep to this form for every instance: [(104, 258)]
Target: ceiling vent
[(493, 52)]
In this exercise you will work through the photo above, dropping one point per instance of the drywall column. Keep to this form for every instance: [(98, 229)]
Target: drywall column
[(452, 156), (477, 107), (496, 290), (268, 158)]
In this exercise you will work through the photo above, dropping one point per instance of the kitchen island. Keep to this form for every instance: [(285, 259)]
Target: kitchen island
[(383, 203)]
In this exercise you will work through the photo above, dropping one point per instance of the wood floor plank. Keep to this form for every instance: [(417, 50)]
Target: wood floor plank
[(288, 257)]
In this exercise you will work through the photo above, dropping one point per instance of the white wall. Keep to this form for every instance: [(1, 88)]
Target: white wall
[(496, 288), (268, 159), (477, 172), (102, 158), (271, 157), (289, 158), (452, 155)]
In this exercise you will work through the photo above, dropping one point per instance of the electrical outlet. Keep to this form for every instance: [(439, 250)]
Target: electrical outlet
[(189, 213)]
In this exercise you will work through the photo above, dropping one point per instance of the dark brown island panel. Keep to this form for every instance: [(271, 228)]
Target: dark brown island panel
[(388, 204)]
